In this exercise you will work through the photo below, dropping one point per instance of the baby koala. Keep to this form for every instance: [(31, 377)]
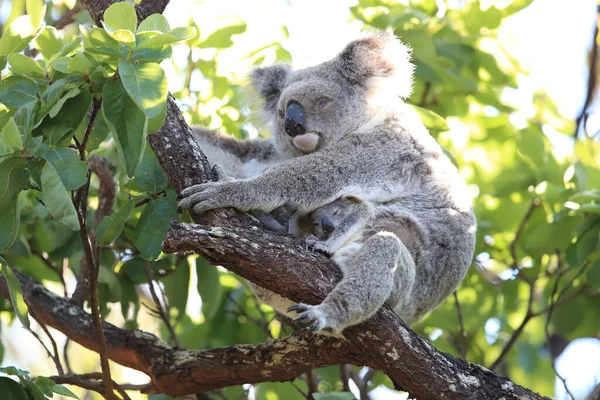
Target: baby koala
[(367, 259)]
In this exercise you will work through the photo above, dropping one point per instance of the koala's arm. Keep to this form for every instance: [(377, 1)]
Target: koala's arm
[(237, 157), (308, 182)]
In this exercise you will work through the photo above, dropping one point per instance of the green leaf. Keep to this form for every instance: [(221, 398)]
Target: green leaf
[(593, 275), (61, 102), (155, 22), (71, 170), (79, 64), (126, 122), (10, 389), (155, 123), (21, 64), (13, 178), (16, 294), (123, 36), (586, 196), (152, 54), (431, 120), (45, 385), (111, 226), (153, 225), (57, 198), (209, 288), (150, 175), (17, 36), (172, 36), (11, 139), (146, 84), (221, 38), (120, 16), (48, 42), (18, 91), (550, 237), (36, 9), (62, 390)]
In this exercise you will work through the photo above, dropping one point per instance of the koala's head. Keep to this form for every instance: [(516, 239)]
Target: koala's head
[(315, 106), (327, 219)]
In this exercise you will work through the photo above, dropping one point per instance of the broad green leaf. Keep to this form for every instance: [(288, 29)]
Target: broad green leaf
[(152, 54), (120, 16), (176, 288), (155, 22), (103, 43), (5, 115), (153, 225), (14, 370), (111, 226), (48, 42), (17, 36), (36, 9), (550, 237), (172, 36), (21, 64), (11, 139), (18, 91), (126, 122), (146, 84), (57, 199), (61, 102), (123, 36), (593, 275), (45, 385), (10, 389), (61, 64), (73, 112), (431, 120), (149, 175), (16, 294), (62, 390), (79, 64), (209, 288), (71, 46), (221, 38), (68, 165), (55, 133), (586, 196), (13, 178)]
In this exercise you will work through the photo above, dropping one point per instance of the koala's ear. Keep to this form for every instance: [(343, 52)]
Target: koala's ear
[(351, 198), (378, 54), (269, 82)]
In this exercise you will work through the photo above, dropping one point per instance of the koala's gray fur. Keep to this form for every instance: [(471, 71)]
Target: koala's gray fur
[(357, 139)]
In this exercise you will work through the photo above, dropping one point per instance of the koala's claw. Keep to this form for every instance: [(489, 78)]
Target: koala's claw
[(317, 245), (314, 317)]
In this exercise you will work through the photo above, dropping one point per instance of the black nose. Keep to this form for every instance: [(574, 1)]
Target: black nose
[(327, 225), (294, 120)]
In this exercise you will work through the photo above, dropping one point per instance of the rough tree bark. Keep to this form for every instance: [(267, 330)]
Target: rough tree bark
[(282, 265)]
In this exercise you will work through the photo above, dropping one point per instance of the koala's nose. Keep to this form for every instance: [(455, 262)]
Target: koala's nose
[(294, 120), (327, 225)]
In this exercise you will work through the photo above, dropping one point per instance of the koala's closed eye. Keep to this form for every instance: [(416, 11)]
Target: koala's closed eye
[(322, 102)]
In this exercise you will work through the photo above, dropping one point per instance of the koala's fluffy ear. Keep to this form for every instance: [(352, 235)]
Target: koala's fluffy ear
[(378, 54), (269, 82)]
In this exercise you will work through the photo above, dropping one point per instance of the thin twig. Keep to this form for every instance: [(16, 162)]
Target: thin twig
[(56, 357), (159, 308), (344, 377), (592, 77), (262, 324), (559, 275), (308, 396), (463, 332), (88, 130), (360, 383), (93, 381), (92, 263), (311, 382), (535, 202)]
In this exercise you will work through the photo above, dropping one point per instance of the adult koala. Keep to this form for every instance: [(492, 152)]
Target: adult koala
[(341, 129)]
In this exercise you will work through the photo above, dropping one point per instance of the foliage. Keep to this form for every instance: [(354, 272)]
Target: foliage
[(98, 92), (25, 388)]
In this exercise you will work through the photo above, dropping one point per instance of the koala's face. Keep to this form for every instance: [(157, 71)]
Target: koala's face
[(316, 106), (327, 219)]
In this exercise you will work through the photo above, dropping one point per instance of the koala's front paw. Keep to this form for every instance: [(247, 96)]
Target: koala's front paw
[(318, 245), (317, 317), (210, 195)]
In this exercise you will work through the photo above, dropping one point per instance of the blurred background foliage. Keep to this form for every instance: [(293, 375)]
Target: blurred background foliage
[(536, 274)]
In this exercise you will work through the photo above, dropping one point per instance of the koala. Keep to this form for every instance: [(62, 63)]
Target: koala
[(341, 129)]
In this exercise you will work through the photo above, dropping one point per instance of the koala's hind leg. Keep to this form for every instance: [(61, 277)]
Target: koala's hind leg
[(367, 284)]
